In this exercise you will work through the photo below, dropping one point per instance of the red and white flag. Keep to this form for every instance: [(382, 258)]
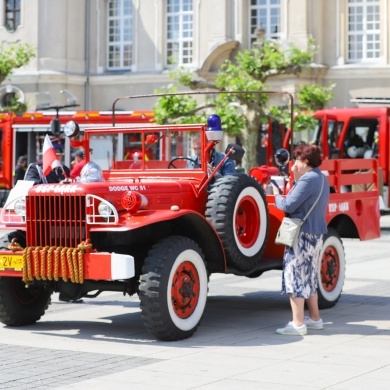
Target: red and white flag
[(49, 159)]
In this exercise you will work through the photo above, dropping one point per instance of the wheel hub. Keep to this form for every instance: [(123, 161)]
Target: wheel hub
[(330, 269), (247, 223), (185, 290)]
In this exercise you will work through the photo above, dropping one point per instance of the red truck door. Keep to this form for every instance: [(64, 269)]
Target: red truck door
[(327, 136)]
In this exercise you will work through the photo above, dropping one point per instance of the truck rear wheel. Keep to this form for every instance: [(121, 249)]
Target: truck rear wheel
[(173, 288), (237, 209), (19, 305), (331, 273)]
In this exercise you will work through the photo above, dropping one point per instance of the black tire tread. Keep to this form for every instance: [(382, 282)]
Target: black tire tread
[(219, 212), (15, 312), (153, 301)]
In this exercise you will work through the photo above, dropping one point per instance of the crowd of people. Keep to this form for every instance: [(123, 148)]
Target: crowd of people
[(34, 171)]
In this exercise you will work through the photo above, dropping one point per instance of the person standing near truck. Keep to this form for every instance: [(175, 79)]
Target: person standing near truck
[(20, 169), (301, 262)]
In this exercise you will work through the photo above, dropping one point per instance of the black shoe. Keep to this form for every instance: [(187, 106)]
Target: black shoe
[(63, 298)]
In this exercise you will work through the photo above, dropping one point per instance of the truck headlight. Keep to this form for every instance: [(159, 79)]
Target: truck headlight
[(20, 207), (104, 210)]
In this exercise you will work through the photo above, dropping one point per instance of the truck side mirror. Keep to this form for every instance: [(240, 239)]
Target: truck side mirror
[(282, 157)]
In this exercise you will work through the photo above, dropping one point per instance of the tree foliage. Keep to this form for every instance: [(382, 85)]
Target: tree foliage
[(243, 113), (310, 98), (13, 57), (315, 96), (175, 109)]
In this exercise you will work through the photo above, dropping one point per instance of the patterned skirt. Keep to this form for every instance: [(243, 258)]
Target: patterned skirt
[(300, 266)]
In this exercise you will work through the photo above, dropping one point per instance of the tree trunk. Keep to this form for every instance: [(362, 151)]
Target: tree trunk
[(250, 144)]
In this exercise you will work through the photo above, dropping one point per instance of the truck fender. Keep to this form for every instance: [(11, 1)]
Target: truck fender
[(194, 226)]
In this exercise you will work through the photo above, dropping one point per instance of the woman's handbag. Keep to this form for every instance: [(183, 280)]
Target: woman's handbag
[(290, 227), (288, 231)]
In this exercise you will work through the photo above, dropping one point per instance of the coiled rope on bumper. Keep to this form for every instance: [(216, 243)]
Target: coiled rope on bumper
[(68, 262)]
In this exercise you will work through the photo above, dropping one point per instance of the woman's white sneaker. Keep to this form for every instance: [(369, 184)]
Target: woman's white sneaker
[(292, 330), (316, 325)]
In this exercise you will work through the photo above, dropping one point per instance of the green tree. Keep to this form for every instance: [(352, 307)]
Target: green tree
[(243, 113), (310, 98), (13, 57)]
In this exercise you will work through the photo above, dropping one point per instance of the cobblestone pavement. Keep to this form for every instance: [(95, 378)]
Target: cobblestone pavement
[(101, 343)]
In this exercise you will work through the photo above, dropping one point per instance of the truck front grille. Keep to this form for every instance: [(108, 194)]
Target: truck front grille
[(55, 220)]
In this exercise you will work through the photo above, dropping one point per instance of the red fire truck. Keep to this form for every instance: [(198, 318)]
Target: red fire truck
[(23, 135), (150, 225), (357, 133)]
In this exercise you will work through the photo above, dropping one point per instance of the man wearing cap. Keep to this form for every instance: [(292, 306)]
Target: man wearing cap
[(77, 164)]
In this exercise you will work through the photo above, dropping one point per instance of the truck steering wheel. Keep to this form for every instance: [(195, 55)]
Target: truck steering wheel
[(172, 165)]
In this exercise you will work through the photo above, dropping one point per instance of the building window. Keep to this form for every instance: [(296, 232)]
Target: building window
[(363, 30), (179, 32), (120, 34), (12, 15), (265, 14)]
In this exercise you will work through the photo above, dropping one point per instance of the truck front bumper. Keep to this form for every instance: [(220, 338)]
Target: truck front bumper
[(65, 263)]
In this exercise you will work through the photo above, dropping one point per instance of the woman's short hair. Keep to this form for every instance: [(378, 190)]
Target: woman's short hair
[(311, 153)]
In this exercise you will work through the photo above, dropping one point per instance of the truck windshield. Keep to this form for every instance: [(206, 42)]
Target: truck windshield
[(146, 149)]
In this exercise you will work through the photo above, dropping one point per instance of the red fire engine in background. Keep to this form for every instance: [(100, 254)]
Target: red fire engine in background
[(23, 136), (351, 134), (357, 133)]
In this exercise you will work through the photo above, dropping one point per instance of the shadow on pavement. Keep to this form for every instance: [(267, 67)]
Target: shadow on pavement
[(228, 320)]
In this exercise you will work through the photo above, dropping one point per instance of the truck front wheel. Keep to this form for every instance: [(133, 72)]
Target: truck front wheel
[(19, 305), (173, 288), (331, 273)]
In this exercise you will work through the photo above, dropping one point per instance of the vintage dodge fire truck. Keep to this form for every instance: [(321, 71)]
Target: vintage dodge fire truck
[(156, 226)]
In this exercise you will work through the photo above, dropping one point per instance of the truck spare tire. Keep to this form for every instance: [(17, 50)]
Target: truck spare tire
[(237, 209)]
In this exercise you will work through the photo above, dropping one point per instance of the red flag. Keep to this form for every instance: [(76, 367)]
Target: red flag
[(49, 159)]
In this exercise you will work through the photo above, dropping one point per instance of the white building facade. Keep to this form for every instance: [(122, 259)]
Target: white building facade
[(100, 50)]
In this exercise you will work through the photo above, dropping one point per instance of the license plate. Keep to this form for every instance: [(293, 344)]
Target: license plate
[(11, 262)]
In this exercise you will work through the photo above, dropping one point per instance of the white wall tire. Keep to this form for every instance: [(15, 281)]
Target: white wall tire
[(237, 209), (331, 272), (173, 288)]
